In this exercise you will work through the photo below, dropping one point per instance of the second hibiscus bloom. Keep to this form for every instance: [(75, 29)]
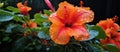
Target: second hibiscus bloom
[(111, 29)]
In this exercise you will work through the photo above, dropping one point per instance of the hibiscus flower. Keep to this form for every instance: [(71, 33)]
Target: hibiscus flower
[(69, 21), (108, 26), (24, 9), (111, 30)]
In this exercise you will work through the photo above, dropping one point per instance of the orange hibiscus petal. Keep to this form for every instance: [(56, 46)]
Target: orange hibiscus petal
[(28, 8), (108, 24), (77, 15), (107, 41), (83, 16), (80, 33), (87, 15), (54, 19), (104, 41), (116, 36), (66, 11), (59, 34), (19, 5), (118, 44)]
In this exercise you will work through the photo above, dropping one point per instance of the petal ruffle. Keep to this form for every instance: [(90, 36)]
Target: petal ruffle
[(54, 19), (83, 16), (66, 12), (115, 36), (70, 14), (80, 33), (28, 8), (19, 5), (108, 24)]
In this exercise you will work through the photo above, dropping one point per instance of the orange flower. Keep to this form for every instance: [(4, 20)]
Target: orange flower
[(30, 24), (69, 21), (111, 30), (33, 25), (108, 26), (23, 8)]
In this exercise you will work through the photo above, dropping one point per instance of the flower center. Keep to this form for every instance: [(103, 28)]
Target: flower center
[(112, 37), (68, 25)]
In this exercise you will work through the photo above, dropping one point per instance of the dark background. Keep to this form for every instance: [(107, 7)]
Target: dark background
[(103, 8)]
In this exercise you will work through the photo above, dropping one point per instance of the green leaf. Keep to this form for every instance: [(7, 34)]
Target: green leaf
[(5, 15), (18, 28), (43, 16), (42, 35), (18, 18), (112, 48), (96, 32), (47, 12), (6, 38), (9, 28), (46, 24), (13, 9), (93, 34), (45, 30), (39, 18), (19, 45), (38, 47), (99, 48), (24, 43)]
